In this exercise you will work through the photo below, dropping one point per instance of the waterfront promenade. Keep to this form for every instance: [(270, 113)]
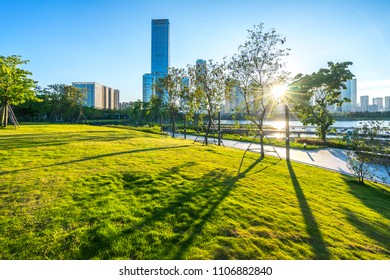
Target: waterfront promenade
[(328, 158)]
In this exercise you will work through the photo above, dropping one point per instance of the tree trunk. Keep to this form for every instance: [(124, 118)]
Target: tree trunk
[(185, 126), (6, 113), (173, 125), (260, 126), (208, 130), (262, 154)]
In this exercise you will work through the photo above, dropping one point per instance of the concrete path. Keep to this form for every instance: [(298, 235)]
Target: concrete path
[(329, 158)]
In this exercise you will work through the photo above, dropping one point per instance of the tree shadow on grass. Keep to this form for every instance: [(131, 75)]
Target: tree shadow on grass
[(188, 213), (379, 231), (315, 237), (95, 157), (18, 141), (373, 196), (376, 198)]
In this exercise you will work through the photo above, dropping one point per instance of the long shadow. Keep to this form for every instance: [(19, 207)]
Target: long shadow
[(376, 198), (380, 234), (9, 142), (95, 157), (210, 191), (373, 196), (311, 158), (229, 182), (315, 237), (253, 165)]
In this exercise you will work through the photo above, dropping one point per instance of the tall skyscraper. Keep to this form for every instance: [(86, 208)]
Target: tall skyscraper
[(387, 103), (160, 46), (378, 102), (160, 56), (350, 93), (147, 87), (364, 103)]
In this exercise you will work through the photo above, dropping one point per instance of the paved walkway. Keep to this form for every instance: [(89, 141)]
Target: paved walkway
[(329, 158)]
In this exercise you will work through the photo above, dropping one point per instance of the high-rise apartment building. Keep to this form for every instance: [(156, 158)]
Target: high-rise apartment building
[(387, 103), (99, 96), (349, 92), (364, 103), (160, 56), (378, 102)]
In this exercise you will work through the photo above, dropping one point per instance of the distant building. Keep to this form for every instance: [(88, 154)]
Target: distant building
[(378, 102), (116, 99), (124, 105), (373, 108), (147, 87), (349, 92), (387, 103), (99, 96), (236, 103), (364, 103)]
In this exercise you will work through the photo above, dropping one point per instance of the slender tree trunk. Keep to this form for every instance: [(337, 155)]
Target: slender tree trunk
[(173, 124), (262, 154), (185, 126), (2, 115), (6, 113), (208, 129)]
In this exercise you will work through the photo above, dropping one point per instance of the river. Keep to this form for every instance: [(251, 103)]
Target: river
[(282, 124)]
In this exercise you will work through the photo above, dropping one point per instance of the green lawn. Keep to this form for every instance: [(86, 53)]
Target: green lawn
[(85, 192)]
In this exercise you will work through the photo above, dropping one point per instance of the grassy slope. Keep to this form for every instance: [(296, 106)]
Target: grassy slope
[(82, 192)]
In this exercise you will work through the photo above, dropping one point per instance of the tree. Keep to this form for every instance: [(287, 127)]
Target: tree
[(15, 85), (65, 102), (171, 86), (257, 68), (209, 88), (367, 147), (311, 95), (187, 103), (138, 112)]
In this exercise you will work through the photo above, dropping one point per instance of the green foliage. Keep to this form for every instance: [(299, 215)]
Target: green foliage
[(62, 103), (311, 95), (209, 87), (86, 192), (171, 87), (256, 69), (15, 85), (368, 147)]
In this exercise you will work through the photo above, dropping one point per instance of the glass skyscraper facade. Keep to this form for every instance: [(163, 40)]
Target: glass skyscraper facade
[(147, 87), (160, 56), (160, 46)]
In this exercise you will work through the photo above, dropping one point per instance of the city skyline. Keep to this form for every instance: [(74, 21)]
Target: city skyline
[(65, 41)]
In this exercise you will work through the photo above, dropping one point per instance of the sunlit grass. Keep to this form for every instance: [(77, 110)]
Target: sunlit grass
[(84, 192)]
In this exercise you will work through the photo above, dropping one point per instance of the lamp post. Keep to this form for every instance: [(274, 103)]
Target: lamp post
[(287, 120)]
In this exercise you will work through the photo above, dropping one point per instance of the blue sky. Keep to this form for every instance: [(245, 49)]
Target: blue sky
[(109, 41)]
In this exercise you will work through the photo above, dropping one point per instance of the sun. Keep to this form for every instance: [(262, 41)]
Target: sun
[(278, 91)]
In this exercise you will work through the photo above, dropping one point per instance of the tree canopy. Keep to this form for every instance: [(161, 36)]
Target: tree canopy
[(311, 95), (15, 85), (257, 68)]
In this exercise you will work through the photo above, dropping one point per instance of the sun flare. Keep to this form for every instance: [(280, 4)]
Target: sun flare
[(278, 91)]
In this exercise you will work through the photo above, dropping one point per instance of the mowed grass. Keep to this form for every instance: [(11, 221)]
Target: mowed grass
[(84, 192)]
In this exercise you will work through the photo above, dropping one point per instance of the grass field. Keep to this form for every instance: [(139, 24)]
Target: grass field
[(85, 192)]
